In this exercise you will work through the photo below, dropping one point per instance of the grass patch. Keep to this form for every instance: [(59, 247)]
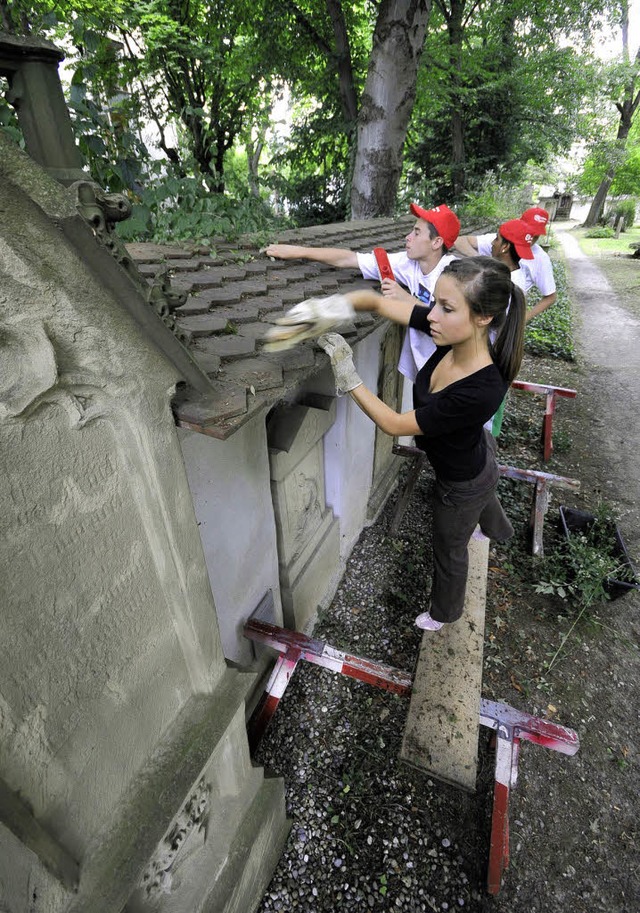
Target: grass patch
[(614, 259), (600, 248)]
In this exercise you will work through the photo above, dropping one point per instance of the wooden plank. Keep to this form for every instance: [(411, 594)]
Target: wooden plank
[(443, 723)]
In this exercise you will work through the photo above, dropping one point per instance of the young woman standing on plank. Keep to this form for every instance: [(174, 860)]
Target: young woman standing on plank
[(458, 389)]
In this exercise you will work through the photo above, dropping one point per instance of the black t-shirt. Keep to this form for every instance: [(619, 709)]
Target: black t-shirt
[(452, 419)]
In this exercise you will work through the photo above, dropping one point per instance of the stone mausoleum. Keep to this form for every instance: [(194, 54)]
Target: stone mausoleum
[(162, 479)]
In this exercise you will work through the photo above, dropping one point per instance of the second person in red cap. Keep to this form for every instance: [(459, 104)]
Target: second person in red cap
[(415, 272)]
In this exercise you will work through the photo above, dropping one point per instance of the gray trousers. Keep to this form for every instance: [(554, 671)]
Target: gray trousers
[(458, 507)]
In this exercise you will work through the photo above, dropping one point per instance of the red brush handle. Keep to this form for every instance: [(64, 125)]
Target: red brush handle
[(382, 259)]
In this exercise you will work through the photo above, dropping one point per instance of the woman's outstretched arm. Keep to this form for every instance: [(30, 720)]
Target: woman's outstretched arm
[(390, 308), (387, 419)]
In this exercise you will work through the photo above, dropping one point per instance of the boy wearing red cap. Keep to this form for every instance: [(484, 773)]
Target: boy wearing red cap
[(512, 245), (415, 270), (533, 270), (539, 271)]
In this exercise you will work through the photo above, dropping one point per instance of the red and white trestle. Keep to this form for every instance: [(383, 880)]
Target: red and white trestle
[(510, 725)]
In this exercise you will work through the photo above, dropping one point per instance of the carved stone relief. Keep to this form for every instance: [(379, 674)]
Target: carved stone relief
[(103, 211), (307, 532), (390, 390), (27, 366), (191, 822)]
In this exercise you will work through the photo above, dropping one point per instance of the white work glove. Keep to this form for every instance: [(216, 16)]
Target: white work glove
[(344, 370), (307, 320)]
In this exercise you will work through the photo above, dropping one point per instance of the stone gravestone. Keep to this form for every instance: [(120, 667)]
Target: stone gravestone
[(125, 778)]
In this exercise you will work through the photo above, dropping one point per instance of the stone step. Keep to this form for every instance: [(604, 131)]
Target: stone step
[(443, 723)]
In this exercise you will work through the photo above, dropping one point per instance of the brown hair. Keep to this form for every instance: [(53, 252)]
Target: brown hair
[(489, 292)]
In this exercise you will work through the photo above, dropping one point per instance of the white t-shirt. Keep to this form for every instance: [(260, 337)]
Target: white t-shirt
[(538, 272), (417, 347), (484, 243), (519, 278)]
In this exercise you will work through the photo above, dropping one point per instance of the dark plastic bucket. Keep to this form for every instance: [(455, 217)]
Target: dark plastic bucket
[(579, 521)]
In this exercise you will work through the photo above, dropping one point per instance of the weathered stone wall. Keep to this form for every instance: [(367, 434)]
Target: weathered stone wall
[(357, 459), (116, 705)]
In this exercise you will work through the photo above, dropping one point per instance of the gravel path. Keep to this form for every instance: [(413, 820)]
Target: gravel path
[(608, 338), (369, 832)]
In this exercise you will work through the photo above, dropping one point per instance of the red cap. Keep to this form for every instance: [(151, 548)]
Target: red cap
[(519, 233), (446, 223), (536, 218)]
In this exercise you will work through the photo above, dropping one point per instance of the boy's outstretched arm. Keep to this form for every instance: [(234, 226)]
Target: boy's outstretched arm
[(332, 256)]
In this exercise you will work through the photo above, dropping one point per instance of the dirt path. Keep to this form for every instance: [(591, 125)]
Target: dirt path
[(608, 342), (575, 831)]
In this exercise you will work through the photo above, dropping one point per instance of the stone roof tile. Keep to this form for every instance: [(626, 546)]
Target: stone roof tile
[(251, 330), (302, 356), (203, 324), (227, 346), (148, 252), (259, 373), (175, 264), (227, 294), (235, 285), (196, 304), (204, 279), (207, 361), (226, 401)]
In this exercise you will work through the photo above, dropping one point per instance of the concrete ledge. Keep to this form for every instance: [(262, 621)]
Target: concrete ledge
[(207, 744), (253, 855), (441, 734)]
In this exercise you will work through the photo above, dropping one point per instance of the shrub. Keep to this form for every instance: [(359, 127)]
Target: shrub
[(621, 209), (171, 208), (599, 231), (581, 567), (626, 209), (492, 201), (551, 333)]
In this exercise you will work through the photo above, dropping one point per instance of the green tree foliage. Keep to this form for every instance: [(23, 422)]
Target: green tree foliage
[(198, 62), (624, 93), (500, 87), (497, 90), (627, 177), (321, 50)]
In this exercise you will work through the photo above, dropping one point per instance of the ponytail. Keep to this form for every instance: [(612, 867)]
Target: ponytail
[(508, 348)]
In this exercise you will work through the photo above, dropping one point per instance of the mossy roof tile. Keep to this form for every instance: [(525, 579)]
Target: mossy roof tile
[(235, 285)]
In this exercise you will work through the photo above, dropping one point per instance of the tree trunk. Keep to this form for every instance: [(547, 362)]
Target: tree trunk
[(387, 102), (454, 17), (254, 151), (458, 155), (627, 108), (597, 204), (348, 96)]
